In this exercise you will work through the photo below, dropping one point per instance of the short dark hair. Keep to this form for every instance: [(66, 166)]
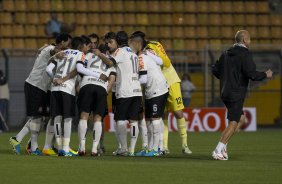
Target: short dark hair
[(62, 37), (122, 38), (139, 34), (110, 35), (103, 48), (94, 35), (76, 42), (86, 39)]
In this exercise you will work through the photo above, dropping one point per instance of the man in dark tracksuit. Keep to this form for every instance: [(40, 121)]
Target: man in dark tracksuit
[(234, 69)]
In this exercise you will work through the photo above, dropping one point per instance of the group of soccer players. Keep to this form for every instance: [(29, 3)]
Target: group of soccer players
[(78, 72)]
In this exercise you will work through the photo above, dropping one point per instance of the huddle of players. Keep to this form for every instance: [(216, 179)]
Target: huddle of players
[(124, 67)]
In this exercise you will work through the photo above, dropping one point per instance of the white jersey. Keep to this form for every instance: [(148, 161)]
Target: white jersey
[(38, 76), (156, 83), (95, 64), (127, 68), (64, 67)]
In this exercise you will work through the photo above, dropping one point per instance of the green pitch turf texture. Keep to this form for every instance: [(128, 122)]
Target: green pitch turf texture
[(254, 158)]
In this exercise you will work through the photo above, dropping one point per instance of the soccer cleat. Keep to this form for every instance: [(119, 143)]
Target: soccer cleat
[(217, 156), (49, 152), (131, 154), (122, 152), (116, 151), (102, 150), (75, 153), (152, 153), (224, 153), (186, 150), (16, 145), (66, 154), (81, 153), (61, 153), (166, 152), (28, 147), (36, 152), (93, 154), (141, 153)]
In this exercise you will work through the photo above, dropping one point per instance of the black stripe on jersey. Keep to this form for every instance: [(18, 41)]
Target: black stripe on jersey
[(113, 60), (54, 62), (113, 73), (143, 72), (80, 62)]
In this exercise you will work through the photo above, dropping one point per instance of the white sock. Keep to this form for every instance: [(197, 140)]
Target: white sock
[(82, 130), (101, 142), (117, 137), (97, 132), (122, 134), (219, 147), (134, 131), (24, 131), (58, 131), (67, 134), (156, 133), (144, 133), (161, 142), (150, 134), (34, 130), (49, 135)]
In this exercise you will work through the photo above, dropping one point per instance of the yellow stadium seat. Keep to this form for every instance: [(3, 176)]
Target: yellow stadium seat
[(93, 18), (129, 29), (105, 6), (69, 18), (177, 6), (190, 44), (30, 30), (178, 19), (79, 30), (251, 20), (190, 6), (177, 31), (153, 31), (263, 20), (130, 19), (190, 19), (276, 32), (263, 32), (178, 44), (129, 6), (117, 6), (165, 32), (93, 6), (251, 6), (154, 19), (6, 43), (277, 41), (92, 29), (60, 17), (118, 19), (32, 5), (57, 5), (142, 19), (202, 32), (202, 43), (228, 41), (227, 19), (41, 30), (214, 19), (276, 20), (6, 30), (166, 19), (153, 6), (265, 41), (44, 18), (202, 19), (262, 7), (20, 18), (103, 30), (18, 43), (5, 18), (165, 6), (44, 5), (139, 28), (214, 32), (202, 6), (18, 30), (252, 30), (226, 32), (20, 5), (240, 19), (8, 5), (106, 18), (189, 32), (214, 6), (31, 43), (216, 43), (226, 6), (141, 6), (69, 5), (166, 43), (116, 28), (239, 6), (32, 18), (81, 18), (41, 42)]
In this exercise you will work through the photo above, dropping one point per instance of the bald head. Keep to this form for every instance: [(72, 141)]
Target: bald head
[(243, 37)]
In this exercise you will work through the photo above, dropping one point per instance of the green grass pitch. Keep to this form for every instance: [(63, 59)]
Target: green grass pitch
[(254, 158)]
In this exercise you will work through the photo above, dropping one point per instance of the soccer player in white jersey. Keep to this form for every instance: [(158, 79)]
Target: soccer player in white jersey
[(128, 89), (93, 98), (156, 92), (35, 88), (63, 95)]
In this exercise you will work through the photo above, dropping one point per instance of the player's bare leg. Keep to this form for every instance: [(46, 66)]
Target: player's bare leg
[(97, 132), (82, 130)]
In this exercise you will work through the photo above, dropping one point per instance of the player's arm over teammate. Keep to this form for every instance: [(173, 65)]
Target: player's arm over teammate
[(142, 71), (108, 61), (112, 79), (157, 49)]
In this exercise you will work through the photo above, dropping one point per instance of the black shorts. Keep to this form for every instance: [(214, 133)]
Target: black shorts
[(234, 110), (154, 107), (114, 102), (128, 108), (62, 104), (46, 104), (35, 100), (92, 98)]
